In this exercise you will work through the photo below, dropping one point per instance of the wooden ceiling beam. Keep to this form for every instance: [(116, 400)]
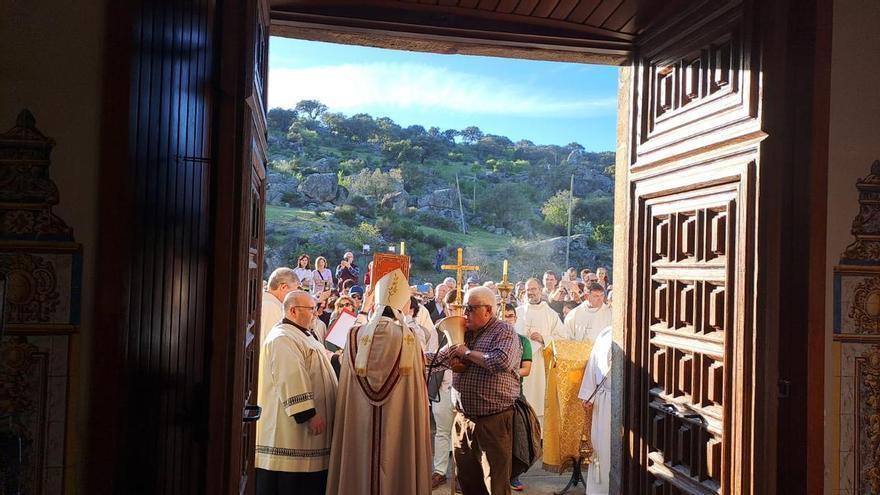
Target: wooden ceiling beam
[(443, 41), (447, 17)]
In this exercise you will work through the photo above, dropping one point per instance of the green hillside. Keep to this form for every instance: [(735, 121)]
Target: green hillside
[(337, 182)]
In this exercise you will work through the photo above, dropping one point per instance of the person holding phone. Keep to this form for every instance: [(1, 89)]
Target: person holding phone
[(347, 270)]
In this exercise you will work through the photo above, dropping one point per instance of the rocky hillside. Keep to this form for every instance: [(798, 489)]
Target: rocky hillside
[(336, 183)]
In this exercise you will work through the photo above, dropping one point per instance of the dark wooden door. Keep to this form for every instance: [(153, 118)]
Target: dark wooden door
[(705, 163), (239, 243)]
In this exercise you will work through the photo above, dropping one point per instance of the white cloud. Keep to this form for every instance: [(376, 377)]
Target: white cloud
[(355, 87)]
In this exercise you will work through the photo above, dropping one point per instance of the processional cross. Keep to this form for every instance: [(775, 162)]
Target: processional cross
[(459, 268)]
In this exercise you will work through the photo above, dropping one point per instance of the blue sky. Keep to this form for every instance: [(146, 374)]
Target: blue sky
[(546, 102)]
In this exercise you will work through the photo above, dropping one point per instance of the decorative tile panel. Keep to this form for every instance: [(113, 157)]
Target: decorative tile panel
[(42, 268), (857, 330)]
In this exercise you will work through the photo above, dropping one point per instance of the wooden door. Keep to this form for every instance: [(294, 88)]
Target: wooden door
[(698, 389), (240, 220)]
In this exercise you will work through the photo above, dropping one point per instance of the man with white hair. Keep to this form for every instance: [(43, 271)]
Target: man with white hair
[(282, 281), (436, 306), (450, 282), (483, 396), (347, 270), (540, 323), (297, 393)]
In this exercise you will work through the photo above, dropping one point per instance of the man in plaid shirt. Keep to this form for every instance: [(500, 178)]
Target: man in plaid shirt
[(483, 396)]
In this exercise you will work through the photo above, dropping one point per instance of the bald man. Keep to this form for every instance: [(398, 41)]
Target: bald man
[(483, 396), (297, 392)]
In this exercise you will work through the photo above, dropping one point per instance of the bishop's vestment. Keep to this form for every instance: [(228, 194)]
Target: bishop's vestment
[(382, 439)]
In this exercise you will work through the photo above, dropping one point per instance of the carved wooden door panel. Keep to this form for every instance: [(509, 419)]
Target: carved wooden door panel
[(252, 225), (238, 274), (694, 153)]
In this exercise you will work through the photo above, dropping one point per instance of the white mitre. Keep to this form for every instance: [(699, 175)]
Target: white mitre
[(391, 291)]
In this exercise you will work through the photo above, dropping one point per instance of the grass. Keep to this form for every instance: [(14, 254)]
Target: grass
[(485, 241), (282, 215)]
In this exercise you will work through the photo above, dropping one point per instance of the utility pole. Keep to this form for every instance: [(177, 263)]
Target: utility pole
[(570, 204), (474, 205), (460, 205)]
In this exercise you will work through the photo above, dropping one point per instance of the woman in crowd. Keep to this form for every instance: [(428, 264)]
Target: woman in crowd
[(302, 271), (322, 278), (602, 278)]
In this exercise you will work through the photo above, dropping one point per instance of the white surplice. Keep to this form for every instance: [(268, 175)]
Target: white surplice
[(296, 377), (543, 319), (598, 367), (585, 322), (271, 314)]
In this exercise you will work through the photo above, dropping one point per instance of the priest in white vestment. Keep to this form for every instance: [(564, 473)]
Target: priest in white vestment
[(596, 391), (282, 281), (297, 394), (540, 323), (590, 317), (382, 438)]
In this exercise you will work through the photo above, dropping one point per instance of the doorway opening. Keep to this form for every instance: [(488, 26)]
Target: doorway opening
[(374, 150)]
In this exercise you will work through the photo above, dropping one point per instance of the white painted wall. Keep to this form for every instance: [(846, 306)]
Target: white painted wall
[(854, 144)]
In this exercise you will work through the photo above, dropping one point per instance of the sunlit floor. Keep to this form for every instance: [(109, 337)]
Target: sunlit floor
[(536, 481)]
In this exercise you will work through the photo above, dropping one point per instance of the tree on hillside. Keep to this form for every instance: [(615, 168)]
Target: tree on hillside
[(280, 118), (471, 134), (504, 166), (403, 151), (312, 108), (555, 209), (387, 130), (493, 146), (300, 135), (450, 135), (507, 204), (359, 127), (376, 184)]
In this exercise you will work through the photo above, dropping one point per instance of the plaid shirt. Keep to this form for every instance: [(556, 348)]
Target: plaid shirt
[(482, 391)]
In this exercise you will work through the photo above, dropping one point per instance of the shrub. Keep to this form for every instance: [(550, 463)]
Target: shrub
[(352, 166), (555, 209), (346, 214), (377, 183), (366, 233), (436, 221), (604, 233), (595, 209), (505, 205)]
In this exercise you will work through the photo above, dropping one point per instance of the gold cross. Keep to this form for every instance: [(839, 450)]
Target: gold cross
[(459, 268)]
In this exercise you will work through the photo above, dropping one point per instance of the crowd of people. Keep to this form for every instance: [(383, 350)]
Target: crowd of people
[(385, 413)]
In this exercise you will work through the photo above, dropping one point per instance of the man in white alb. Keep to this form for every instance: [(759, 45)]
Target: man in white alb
[(282, 281), (596, 394), (540, 323), (297, 394), (590, 317)]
